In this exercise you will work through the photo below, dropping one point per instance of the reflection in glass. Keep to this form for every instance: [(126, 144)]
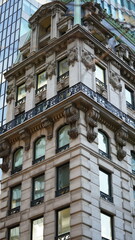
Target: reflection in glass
[(21, 92), (38, 185), (14, 233), (106, 228), (41, 80), (63, 176), (63, 67), (133, 160), (63, 137), (15, 196), (40, 148), (104, 182), (18, 158), (129, 96), (37, 229), (102, 142), (64, 221), (99, 74)]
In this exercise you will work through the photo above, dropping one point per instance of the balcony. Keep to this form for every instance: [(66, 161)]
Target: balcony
[(106, 197), (65, 236)]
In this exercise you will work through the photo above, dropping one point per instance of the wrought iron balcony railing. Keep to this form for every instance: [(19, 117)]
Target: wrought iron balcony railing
[(65, 236), (106, 197), (61, 191), (79, 87)]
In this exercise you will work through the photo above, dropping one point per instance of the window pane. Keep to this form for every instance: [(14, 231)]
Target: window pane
[(14, 233), (38, 187), (37, 229), (99, 73), (133, 160), (104, 182), (102, 142), (21, 92), (18, 157), (40, 148), (24, 27), (63, 176), (16, 197), (41, 80), (63, 136), (106, 230), (63, 66), (64, 221), (129, 96)]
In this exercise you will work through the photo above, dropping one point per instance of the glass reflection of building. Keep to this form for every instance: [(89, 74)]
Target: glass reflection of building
[(14, 15)]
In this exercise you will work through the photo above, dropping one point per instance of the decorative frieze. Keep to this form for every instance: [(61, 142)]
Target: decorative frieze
[(10, 93), (88, 60), (26, 137), (91, 117), (72, 56), (121, 136), (30, 82), (72, 117), (115, 81), (51, 69), (48, 124)]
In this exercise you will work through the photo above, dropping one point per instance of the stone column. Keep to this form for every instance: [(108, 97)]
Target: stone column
[(51, 76), (34, 38)]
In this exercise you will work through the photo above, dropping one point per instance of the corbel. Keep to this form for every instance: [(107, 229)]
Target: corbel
[(48, 124), (5, 149), (26, 137), (88, 60), (72, 56), (50, 70), (115, 81), (91, 117), (72, 116), (121, 136)]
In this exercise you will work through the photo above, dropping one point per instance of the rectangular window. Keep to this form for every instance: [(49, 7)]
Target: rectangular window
[(37, 229), (133, 162), (63, 69), (63, 224), (41, 82), (15, 199), (129, 98), (105, 185), (14, 233), (100, 75), (134, 195), (62, 179), (106, 227), (38, 190), (21, 93)]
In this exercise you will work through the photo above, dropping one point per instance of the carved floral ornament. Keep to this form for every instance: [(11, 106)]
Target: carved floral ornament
[(4, 153), (115, 81), (121, 136), (72, 116), (72, 56), (91, 117), (88, 60)]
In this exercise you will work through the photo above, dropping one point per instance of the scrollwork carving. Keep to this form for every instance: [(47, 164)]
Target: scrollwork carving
[(88, 60), (91, 117), (121, 136), (115, 81), (72, 56), (51, 69), (72, 116)]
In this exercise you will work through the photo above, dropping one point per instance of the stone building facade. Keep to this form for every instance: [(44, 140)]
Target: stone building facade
[(68, 147)]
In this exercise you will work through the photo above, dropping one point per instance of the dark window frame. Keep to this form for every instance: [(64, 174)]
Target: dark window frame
[(132, 156), (32, 220), (59, 149), (98, 81), (130, 105), (16, 209), (9, 229), (44, 87), (103, 195), (22, 100), (112, 225), (19, 168), (60, 237), (105, 154), (40, 200), (64, 75), (65, 190), (36, 160)]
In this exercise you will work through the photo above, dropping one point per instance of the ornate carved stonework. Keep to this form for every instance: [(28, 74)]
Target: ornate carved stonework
[(4, 153), (50, 71), (121, 136), (88, 60), (91, 117), (72, 116), (115, 81), (19, 108), (5, 165), (25, 136), (10, 93), (72, 56), (40, 96), (29, 82), (48, 124)]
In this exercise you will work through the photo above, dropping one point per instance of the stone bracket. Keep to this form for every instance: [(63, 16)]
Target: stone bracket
[(48, 124), (88, 60), (91, 117), (72, 116), (30, 82), (115, 81), (26, 137), (72, 56), (4, 153), (121, 136), (50, 69)]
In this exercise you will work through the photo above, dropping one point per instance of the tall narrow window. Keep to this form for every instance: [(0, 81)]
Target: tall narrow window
[(14, 233), (105, 185), (63, 138), (17, 160), (63, 69), (38, 190), (39, 149), (37, 229), (133, 162), (129, 98), (21, 94), (103, 144), (41, 82), (106, 227), (62, 179), (134, 195), (63, 227), (100, 75), (15, 199)]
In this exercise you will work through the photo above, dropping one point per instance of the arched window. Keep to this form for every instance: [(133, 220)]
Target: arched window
[(17, 160), (103, 143), (63, 138), (133, 161), (39, 149)]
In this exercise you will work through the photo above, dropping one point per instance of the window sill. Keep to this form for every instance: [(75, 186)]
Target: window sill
[(37, 201), (62, 191)]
